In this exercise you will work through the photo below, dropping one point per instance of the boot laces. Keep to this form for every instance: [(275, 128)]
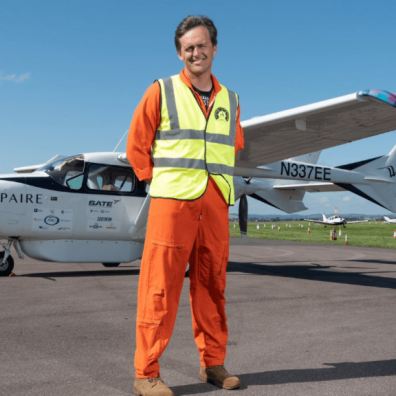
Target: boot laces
[(155, 381)]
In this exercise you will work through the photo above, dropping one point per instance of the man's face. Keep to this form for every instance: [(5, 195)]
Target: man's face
[(197, 51)]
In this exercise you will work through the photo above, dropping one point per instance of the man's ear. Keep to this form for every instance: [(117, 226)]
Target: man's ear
[(214, 50), (179, 55)]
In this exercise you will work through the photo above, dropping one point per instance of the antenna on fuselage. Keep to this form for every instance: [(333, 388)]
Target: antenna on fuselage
[(119, 142)]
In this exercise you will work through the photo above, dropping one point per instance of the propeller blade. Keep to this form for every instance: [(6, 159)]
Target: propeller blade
[(243, 214)]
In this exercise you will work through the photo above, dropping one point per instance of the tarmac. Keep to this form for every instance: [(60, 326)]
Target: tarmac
[(303, 320)]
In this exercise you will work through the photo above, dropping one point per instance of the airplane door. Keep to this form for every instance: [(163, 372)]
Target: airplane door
[(113, 199)]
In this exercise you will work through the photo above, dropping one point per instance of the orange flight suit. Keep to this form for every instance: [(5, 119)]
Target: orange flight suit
[(179, 232)]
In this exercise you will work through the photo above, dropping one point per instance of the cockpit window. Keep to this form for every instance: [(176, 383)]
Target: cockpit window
[(69, 171), (110, 178), (75, 182)]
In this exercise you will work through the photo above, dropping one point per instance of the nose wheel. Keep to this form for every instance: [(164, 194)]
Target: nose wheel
[(6, 260), (6, 264)]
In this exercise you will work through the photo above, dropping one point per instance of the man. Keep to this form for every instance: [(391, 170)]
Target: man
[(182, 140)]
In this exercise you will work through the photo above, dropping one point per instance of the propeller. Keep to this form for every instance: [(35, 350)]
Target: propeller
[(243, 214), (249, 188)]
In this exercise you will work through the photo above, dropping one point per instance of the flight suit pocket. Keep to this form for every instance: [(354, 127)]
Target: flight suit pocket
[(165, 258), (155, 309), (212, 265)]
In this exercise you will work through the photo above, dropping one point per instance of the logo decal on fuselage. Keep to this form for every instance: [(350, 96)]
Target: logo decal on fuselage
[(51, 220), (103, 204)]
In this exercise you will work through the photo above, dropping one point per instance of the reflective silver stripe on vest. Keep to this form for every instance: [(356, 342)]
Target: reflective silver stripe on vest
[(171, 103), (233, 110), (181, 134), (179, 163), (191, 163), (220, 169), (219, 138)]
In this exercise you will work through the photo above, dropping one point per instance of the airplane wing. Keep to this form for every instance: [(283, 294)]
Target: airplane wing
[(317, 126), (316, 221)]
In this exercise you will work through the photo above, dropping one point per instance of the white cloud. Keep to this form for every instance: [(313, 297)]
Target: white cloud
[(16, 78), (346, 198)]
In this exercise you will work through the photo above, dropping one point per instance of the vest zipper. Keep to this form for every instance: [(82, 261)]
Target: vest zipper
[(206, 126), (210, 107)]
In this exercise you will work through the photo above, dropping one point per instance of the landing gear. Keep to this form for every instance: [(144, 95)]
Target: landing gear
[(6, 264), (6, 260), (110, 265)]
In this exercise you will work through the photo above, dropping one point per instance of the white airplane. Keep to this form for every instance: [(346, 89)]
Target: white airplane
[(389, 220), (91, 207), (83, 208), (335, 220)]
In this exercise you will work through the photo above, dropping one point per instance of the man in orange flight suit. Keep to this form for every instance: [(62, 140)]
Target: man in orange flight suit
[(181, 231)]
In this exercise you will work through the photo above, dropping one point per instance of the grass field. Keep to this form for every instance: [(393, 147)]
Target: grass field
[(371, 234)]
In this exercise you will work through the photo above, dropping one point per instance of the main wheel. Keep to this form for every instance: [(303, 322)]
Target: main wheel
[(110, 265), (7, 267)]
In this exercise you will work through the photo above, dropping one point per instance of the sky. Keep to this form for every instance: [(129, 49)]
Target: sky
[(71, 72)]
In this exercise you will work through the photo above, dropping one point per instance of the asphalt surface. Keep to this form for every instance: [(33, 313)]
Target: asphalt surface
[(303, 320)]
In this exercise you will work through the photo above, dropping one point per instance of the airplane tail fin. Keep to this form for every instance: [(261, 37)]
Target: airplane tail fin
[(310, 158), (379, 183), (324, 217)]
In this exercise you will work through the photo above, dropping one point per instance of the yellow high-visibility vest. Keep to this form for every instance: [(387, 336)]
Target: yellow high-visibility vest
[(188, 147)]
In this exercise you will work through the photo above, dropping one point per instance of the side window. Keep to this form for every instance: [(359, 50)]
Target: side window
[(75, 182), (110, 178)]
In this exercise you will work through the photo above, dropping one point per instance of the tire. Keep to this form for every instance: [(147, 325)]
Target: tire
[(7, 267), (110, 265)]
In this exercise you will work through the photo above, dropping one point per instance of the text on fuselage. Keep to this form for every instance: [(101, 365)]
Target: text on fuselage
[(21, 198), (106, 204), (304, 171)]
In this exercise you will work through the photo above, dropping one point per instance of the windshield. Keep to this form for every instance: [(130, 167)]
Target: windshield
[(69, 171)]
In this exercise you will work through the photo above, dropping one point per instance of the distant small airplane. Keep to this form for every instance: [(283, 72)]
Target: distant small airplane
[(389, 220), (335, 221)]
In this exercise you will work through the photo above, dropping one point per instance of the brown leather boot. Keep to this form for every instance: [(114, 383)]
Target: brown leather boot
[(151, 387), (219, 376)]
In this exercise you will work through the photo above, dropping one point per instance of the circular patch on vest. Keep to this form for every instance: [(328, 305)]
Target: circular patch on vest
[(222, 114)]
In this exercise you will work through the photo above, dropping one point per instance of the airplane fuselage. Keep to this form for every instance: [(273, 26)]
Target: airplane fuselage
[(77, 219)]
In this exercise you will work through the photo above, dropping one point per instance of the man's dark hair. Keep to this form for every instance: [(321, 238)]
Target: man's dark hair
[(191, 22)]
